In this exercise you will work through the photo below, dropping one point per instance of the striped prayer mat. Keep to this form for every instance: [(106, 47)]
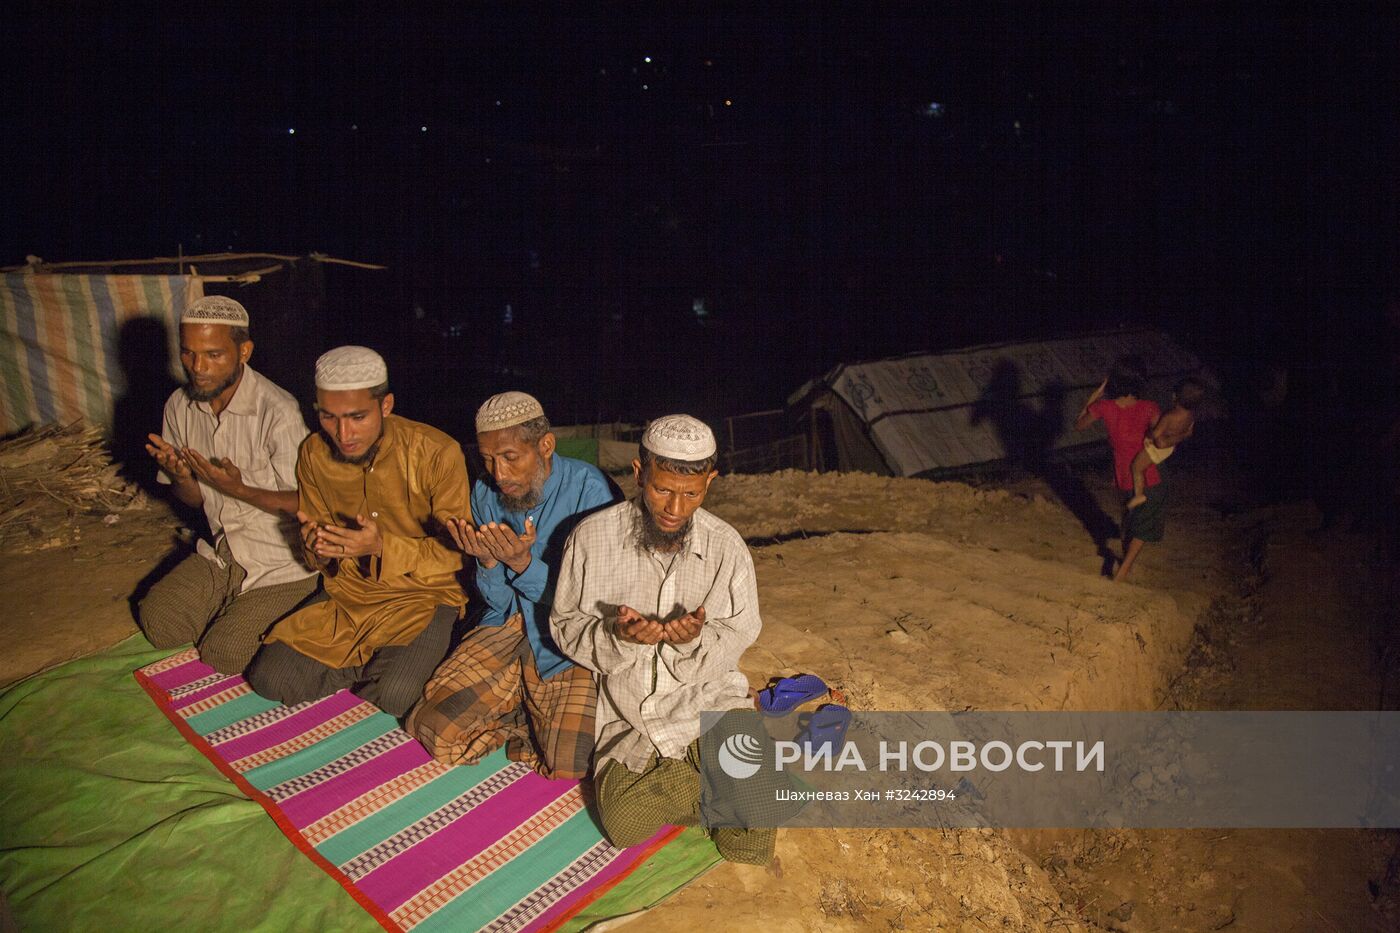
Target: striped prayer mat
[(420, 845)]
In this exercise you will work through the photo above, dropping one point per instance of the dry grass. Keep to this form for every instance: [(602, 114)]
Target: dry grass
[(50, 477)]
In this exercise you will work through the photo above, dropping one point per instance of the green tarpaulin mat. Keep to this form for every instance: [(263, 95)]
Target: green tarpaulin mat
[(580, 448), (110, 820)]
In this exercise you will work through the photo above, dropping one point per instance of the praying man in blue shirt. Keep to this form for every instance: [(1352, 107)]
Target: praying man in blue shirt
[(508, 683)]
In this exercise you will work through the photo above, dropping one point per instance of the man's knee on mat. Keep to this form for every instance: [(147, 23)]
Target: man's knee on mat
[(394, 695), (398, 674), (567, 756), (225, 652), (565, 771), (625, 827), (748, 846), (164, 623), (263, 679), (628, 817), (275, 674)]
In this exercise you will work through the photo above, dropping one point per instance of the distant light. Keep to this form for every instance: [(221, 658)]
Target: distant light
[(933, 109), (498, 103), (644, 87), (291, 131), (354, 126), (647, 59), (728, 102), (423, 129), (709, 62)]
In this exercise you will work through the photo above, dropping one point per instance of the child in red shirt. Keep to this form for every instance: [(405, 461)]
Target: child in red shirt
[(1127, 419)]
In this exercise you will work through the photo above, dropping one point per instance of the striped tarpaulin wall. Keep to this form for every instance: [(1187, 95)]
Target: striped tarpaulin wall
[(59, 340)]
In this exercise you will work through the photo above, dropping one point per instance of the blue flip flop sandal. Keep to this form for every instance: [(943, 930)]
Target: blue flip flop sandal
[(788, 694), (825, 727)]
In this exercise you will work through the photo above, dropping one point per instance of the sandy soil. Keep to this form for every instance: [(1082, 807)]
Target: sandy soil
[(916, 595), (1304, 632), (72, 600), (991, 599)]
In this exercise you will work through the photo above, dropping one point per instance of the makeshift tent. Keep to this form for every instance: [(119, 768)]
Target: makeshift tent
[(75, 336), (60, 356), (931, 412)]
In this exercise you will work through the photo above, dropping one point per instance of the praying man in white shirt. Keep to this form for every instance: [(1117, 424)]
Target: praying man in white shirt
[(229, 445), (657, 597)]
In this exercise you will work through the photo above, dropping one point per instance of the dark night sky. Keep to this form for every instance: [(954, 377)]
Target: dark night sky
[(1225, 172)]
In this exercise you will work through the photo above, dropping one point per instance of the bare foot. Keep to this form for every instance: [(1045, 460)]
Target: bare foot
[(1136, 501)]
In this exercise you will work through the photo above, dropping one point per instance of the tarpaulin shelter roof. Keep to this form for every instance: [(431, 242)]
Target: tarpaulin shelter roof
[(928, 412)]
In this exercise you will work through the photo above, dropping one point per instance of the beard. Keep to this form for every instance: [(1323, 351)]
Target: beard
[(206, 395), (527, 500), (365, 457), (649, 536)]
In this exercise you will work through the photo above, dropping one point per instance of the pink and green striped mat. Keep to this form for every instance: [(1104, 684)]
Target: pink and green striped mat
[(420, 845)]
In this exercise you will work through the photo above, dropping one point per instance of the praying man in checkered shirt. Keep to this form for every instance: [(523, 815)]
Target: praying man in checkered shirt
[(657, 597), (228, 445), (508, 683)]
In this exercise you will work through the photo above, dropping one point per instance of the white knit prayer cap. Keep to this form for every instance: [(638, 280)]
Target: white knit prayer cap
[(506, 410), (679, 437), (350, 368), (215, 309)]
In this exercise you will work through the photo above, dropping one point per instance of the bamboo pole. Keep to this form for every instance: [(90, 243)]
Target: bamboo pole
[(322, 257), (180, 259), (246, 278)]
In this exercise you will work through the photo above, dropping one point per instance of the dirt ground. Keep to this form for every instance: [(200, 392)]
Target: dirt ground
[(916, 595)]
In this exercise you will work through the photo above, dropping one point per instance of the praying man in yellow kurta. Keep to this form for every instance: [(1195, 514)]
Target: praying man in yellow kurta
[(376, 491)]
